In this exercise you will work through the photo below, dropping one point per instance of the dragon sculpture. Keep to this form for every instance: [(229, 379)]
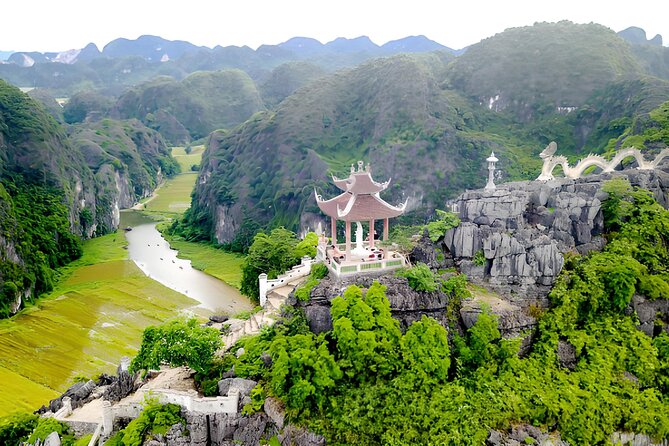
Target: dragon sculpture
[(551, 161)]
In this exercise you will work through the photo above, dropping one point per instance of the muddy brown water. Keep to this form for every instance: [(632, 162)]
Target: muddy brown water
[(153, 255)]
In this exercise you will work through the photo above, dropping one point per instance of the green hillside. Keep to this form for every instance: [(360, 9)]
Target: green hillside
[(392, 112), (534, 70), (56, 187), (428, 122), (287, 78), (193, 107)]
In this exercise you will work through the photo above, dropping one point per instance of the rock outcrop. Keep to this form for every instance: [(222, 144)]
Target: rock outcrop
[(407, 305), (524, 434), (513, 239)]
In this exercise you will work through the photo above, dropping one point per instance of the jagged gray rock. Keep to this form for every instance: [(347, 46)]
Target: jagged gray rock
[(648, 311), (566, 354), (524, 434), (227, 386), (632, 439), (53, 439), (524, 228), (406, 305), (275, 411), (78, 393), (121, 386), (298, 436)]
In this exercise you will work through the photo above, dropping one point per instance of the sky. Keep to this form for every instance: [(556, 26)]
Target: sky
[(48, 25)]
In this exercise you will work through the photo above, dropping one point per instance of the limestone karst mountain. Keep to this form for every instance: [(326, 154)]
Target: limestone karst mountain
[(56, 187)]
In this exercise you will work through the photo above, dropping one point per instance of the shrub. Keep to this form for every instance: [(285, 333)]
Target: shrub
[(420, 278), (47, 425), (479, 258), (14, 429), (445, 221), (177, 343), (155, 418)]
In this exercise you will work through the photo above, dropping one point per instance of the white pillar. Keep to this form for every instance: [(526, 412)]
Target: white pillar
[(492, 159), (348, 240), (107, 419), (262, 288)]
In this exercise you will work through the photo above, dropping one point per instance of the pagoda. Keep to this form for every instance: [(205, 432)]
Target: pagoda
[(359, 202)]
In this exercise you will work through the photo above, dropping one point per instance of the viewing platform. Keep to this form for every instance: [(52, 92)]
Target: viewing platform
[(360, 201), (373, 260)]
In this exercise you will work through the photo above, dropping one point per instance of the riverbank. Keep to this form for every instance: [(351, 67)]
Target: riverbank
[(99, 309), (95, 316)]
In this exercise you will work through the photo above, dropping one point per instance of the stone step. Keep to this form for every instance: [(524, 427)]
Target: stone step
[(276, 302)]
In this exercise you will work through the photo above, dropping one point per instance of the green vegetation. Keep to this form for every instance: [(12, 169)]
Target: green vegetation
[(84, 104), (445, 220), (194, 106), (16, 428), (645, 131), (177, 343), (36, 218), (45, 346), (420, 278), (274, 254), (530, 68), (479, 258), (173, 197), (45, 426), (155, 418), (318, 271), (367, 383)]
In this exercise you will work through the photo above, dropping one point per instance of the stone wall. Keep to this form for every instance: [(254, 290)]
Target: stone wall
[(523, 229)]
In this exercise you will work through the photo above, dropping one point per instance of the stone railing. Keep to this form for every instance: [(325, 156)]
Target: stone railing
[(189, 400), (266, 285)]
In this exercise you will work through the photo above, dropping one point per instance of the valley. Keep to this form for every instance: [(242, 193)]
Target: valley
[(103, 301), (158, 179)]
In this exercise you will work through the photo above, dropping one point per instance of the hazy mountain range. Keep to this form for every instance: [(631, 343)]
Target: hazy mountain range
[(157, 49)]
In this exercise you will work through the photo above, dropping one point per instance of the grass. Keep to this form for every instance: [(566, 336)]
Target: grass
[(225, 266), (173, 197), (186, 160), (95, 316)]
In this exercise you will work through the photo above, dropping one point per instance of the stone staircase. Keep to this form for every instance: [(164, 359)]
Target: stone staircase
[(265, 317)]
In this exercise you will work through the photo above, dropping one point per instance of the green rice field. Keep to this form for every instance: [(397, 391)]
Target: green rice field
[(83, 328)]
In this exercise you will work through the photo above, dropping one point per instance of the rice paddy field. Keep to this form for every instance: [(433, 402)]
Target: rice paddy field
[(95, 316), (173, 197), (101, 305)]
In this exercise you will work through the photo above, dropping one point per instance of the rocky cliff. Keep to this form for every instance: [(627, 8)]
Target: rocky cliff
[(513, 239), (57, 186)]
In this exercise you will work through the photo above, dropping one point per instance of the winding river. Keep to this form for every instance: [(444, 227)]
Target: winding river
[(153, 255)]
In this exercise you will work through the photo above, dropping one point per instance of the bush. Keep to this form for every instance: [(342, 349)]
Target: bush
[(318, 271), (479, 258), (47, 425), (177, 343), (445, 221), (154, 419), (420, 278), (14, 429)]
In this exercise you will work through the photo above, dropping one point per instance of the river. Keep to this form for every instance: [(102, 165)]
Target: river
[(98, 311), (153, 255)]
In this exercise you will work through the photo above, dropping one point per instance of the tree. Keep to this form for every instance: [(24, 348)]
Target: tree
[(367, 335), (273, 254), (425, 352), (178, 342)]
